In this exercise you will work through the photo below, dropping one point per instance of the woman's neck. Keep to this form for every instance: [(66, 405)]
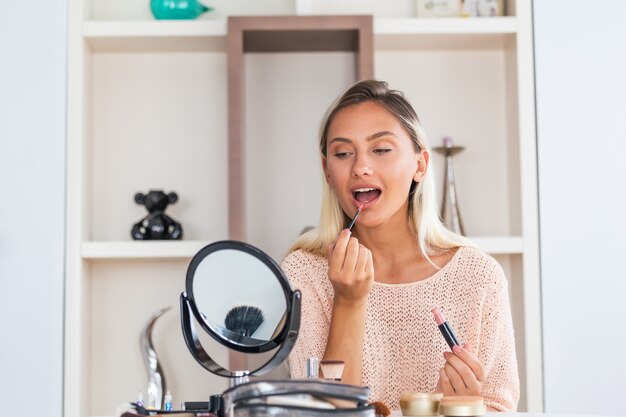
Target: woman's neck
[(393, 245), (388, 240), (396, 254)]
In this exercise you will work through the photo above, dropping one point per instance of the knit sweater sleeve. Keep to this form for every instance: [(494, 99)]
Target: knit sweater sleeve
[(307, 274), (497, 345)]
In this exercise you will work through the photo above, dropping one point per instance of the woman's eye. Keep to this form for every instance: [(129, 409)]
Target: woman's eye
[(382, 150), (342, 155)]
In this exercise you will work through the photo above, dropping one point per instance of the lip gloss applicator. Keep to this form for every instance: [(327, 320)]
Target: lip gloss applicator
[(445, 328), (360, 208)]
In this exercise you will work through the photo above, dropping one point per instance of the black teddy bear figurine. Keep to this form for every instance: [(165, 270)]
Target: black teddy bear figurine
[(156, 225)]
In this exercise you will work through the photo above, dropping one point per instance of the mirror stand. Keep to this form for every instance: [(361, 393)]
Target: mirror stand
[(239, 376)]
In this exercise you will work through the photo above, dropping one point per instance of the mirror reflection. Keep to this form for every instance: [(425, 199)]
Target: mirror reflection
[(239, 297)]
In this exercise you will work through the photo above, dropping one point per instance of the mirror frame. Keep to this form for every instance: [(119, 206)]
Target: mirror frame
[(284, 340)]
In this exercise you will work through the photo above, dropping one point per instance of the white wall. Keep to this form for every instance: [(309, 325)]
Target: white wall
[(580, 51), (32, 163)]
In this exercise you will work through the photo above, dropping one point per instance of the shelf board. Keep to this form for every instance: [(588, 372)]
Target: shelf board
[(142, 249), (445, 26), (444, 33), (158, 28), (155, 35), (186, 249), (210, 34)]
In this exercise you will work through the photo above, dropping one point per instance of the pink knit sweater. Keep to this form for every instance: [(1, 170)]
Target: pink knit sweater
[(403, 348)]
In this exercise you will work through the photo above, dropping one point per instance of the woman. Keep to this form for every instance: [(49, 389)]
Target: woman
[(368, 294)]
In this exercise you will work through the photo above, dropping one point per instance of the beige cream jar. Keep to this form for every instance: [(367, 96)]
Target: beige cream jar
[(420, 403), (462, 406)]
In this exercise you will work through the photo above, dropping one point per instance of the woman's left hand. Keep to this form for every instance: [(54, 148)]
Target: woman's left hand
[(462, 373)]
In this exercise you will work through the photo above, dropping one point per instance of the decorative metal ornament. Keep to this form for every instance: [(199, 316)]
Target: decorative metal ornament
[(156, 379), (449, 212)]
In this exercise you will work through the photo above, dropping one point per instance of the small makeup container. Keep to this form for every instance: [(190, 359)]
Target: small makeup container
[(420, 403), (312, 368), (462, 406)]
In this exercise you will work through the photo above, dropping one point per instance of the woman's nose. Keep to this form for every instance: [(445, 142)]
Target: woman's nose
[(361, 167)]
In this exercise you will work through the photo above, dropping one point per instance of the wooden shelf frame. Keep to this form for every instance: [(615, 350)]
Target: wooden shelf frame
[(281, 34)]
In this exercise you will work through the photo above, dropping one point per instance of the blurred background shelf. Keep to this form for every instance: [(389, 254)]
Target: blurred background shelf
[(210, 34), (155, 35), (185, 249), (443, 26)]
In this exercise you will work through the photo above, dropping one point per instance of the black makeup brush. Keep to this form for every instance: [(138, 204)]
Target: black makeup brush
[(244, 320)]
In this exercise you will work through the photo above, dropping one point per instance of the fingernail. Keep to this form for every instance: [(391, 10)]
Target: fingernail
[(445, 354), (457, 349)]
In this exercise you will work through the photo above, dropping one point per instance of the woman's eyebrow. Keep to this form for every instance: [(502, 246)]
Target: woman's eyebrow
[(338, 139), (369, 138), (380, 134)]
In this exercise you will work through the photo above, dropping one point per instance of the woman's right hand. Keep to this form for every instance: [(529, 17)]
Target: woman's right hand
[(350, 269)]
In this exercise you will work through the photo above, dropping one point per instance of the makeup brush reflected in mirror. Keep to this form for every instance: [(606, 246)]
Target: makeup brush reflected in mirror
[(244, 320)]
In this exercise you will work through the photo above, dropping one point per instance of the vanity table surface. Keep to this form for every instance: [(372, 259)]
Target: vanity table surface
[(398, 413)]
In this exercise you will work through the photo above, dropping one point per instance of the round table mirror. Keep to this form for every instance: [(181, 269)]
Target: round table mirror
[(242, 299)]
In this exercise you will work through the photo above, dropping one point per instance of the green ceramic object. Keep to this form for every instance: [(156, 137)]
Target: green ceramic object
[(177, 9)]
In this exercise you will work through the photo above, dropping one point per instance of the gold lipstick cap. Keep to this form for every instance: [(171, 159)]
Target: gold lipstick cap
[(420, 403), (462, 406)]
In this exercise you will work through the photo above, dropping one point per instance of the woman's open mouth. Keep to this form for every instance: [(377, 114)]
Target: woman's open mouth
[(366, 196)]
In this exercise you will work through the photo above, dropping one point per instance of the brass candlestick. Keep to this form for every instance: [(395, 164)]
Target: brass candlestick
[(450, 213)]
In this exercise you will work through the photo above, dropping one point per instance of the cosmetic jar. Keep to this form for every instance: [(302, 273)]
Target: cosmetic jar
[(462, 406), (420, 403)]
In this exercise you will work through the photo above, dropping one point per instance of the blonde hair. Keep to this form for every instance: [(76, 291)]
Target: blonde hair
[(432, 236)]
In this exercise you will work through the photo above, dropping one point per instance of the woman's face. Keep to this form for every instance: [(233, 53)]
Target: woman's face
[(371, 160)]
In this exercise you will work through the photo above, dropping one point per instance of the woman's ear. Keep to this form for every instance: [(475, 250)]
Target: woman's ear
[(325, 168), (422, 165)]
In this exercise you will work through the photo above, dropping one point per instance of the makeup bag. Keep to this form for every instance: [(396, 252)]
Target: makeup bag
[(297, 398)]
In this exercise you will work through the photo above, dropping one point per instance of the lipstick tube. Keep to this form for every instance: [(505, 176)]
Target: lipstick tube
[(445, 328)]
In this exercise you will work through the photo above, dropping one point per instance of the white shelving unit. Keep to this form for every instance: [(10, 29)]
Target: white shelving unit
[(187, 249), (147, 109)]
